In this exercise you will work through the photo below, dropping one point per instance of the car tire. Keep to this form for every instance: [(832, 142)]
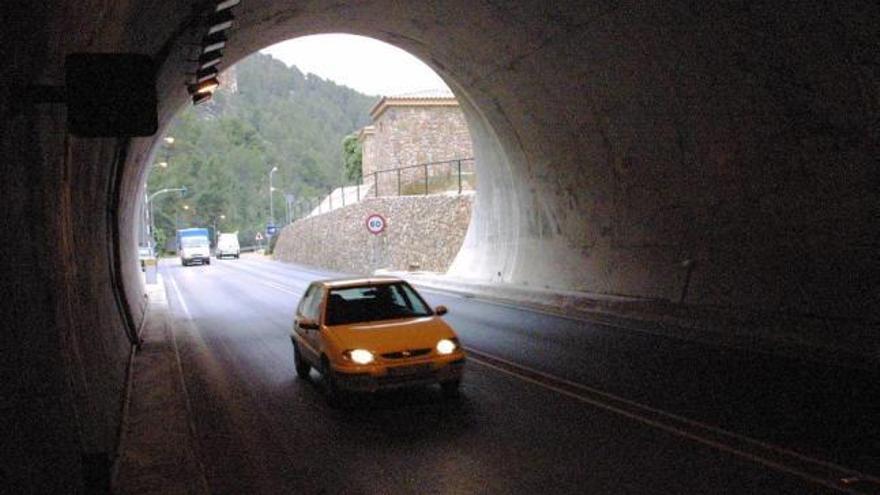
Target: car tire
[(334, 395), (207, 261), (302, 367), (451, 389)]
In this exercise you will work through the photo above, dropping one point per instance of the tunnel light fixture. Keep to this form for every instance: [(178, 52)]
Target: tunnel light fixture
[(210, 59), (206, 86), (225, 5), (198, 99), (213, 42), (203, 75), (219, 45), (220, 21)]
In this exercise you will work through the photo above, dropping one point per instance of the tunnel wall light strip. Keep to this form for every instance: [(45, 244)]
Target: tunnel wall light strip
[(214, 47), (214, 41), (205, 74), (220, 21), (226, 4), (210, 59), (198, 99), (206, 86)]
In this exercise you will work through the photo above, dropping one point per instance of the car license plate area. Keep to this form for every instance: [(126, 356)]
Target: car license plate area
[(413, 369)]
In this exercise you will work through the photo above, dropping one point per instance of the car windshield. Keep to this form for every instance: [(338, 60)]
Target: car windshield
[(191, 242), (373, 303)]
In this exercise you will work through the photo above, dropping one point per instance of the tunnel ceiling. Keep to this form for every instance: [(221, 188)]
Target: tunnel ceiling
[(616, 143), (714, 155)]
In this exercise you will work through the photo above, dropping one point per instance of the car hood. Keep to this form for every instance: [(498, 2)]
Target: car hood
[(392, 335)]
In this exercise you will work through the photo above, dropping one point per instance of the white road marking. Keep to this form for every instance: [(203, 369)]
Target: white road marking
[(180, 299), (844, 472)]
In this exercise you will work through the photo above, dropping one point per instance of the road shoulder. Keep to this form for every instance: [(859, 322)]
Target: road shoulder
[(158, 453)]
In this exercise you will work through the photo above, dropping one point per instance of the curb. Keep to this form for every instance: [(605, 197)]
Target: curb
[(158, 452)]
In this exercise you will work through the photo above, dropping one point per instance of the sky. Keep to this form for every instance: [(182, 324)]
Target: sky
[(367, 65)]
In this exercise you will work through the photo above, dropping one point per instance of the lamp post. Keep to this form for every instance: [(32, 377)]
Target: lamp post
[(150, 204), (271, 197), (216, 232), (290, 199), (169, 141)]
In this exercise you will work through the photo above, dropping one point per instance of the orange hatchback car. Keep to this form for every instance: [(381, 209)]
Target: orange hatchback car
[(368, 334)]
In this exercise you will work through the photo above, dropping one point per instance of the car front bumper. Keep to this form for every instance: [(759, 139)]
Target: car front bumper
[(408, 375), (196, 257)]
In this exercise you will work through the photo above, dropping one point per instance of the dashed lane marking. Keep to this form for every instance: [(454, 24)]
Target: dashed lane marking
[(816, 471)]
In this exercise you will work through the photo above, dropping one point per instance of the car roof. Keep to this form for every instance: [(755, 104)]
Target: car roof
[(337, 283)]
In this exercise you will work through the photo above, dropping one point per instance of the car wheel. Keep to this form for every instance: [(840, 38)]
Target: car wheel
[(331, 388), (302, 367), (451, 389)]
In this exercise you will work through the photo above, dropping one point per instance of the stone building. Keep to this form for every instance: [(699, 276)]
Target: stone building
[(411, 130)]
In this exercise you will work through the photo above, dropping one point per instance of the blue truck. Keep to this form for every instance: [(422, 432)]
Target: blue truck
[(194, 245)]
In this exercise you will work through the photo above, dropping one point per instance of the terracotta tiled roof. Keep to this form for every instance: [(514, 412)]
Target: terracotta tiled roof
[(431, 97), (425, 94)]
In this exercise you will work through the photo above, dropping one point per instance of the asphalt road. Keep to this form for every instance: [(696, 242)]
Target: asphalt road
[(549, 405)]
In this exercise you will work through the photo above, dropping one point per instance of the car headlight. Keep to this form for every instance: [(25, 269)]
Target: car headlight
[(360, 356), (446, 346)]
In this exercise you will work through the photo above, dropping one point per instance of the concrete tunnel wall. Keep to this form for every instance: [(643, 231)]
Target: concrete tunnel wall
[(615, 141)]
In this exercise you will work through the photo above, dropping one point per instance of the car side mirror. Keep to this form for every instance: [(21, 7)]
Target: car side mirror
[(441, 310), (308, 324)]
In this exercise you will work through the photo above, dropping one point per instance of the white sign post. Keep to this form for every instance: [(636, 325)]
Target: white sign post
[(376, 223)]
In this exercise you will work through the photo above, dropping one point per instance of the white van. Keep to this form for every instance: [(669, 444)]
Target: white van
[(227, 245)]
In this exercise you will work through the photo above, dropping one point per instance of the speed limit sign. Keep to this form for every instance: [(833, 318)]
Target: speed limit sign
[(375, 223)]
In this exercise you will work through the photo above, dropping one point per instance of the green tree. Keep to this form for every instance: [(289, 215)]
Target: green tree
[(223, 150), (352, 157)]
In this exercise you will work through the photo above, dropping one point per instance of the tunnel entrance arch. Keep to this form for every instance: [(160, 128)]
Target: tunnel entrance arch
[(598, 173)]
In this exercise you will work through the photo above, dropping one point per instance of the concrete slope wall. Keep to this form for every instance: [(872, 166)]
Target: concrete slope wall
[(422, 233)]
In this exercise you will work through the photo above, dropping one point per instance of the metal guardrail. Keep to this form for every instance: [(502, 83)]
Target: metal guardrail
[(414, 180)]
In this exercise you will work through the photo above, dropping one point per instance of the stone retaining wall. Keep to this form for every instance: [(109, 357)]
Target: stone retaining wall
[(422, 233)]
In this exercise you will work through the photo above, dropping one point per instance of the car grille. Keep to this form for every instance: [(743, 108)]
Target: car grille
[(408, 353)]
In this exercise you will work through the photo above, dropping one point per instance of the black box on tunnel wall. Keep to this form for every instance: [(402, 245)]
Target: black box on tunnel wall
[(111, 95)]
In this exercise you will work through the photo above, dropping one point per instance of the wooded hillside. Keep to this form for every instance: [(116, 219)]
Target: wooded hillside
[(223, 150)]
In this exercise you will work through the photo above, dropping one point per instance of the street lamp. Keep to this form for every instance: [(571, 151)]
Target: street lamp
[(168, 142), (150, 204), (290, 199), (271, 197), (216, 232)]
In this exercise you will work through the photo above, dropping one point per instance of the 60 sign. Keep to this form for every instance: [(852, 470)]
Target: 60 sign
[(375, 223)]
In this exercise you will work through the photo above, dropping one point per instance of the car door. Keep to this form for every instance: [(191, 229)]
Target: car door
[(308, 338)]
